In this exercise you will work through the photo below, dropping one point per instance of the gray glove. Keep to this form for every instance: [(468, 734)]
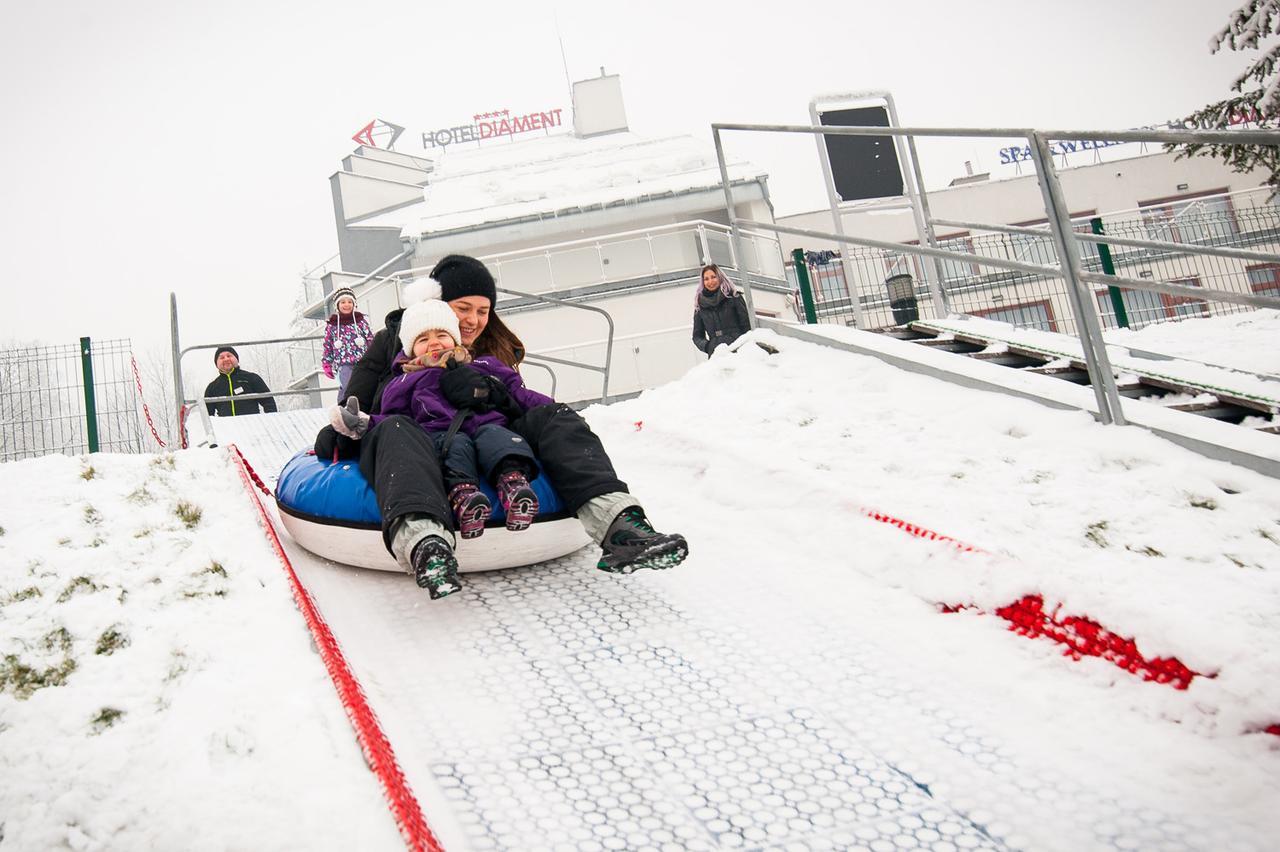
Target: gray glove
[(349, 420)]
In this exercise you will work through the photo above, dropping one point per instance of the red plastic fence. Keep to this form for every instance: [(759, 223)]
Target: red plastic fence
[(373, 742)]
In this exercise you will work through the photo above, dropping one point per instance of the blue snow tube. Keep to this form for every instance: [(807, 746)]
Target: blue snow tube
[(331, 510)]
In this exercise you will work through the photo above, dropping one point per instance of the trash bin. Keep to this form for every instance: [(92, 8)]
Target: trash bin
[(902, 298)]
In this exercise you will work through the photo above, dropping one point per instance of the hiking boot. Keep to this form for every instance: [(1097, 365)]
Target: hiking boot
[(631, 544), (518, 499), (470, 509), (435, 568)]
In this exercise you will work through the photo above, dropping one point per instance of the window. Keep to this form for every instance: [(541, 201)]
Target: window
[(954, 272), (1031, 315), (896, 263), (1198, 217), (1264, 279), (1143, 307), (827, 280), (957, 271), (1029, 249), (1184, 306)]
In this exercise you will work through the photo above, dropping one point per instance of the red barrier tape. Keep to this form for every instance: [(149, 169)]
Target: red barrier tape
[(373, 742), (919, 531)]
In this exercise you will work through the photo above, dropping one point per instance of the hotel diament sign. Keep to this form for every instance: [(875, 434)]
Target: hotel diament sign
[(483, 126)]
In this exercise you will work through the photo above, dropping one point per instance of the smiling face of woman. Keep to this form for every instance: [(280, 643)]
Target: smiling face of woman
[(709, 279), (473, 316)]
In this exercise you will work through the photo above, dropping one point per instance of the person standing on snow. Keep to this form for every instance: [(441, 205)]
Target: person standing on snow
[(232, 382), (346, 336), (719, 311)]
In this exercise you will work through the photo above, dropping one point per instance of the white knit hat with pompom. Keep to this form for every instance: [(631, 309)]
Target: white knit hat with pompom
[(426, 313)]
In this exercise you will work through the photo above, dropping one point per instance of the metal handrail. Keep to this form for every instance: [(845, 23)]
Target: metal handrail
[(608, 350), (1229, 137), (907, 248), (1112, 239)]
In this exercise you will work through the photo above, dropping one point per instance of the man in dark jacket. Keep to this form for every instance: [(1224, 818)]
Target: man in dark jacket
[(233, 382)]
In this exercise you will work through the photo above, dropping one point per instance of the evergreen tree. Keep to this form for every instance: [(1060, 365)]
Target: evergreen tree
[(1258, 88)]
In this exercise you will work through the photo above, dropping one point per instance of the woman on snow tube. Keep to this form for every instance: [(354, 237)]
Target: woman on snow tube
[(400, 461)]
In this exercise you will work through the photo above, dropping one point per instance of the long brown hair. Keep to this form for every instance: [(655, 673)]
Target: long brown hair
[(499, 341)]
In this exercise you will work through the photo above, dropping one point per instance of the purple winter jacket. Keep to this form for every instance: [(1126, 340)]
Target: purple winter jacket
[(418, 395)]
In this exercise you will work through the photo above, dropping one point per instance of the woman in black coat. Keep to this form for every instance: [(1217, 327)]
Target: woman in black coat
[(720, 312)]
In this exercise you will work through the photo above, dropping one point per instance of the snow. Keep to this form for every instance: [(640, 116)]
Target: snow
[(1243, 341), (542, 176), (229, 734)]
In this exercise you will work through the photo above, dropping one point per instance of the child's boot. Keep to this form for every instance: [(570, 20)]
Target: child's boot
[(470, 509), (518, 499), (434, 567)]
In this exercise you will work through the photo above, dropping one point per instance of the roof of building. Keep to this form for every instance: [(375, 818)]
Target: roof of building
[(515, 180)]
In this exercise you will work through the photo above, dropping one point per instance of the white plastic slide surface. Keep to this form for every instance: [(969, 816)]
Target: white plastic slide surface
[(732, 706), (559, 707)]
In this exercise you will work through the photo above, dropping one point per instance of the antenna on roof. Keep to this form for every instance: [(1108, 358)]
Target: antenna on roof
[(563, 62)]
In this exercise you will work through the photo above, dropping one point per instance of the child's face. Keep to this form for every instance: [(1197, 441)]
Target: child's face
[(432, 342), (345, 305)]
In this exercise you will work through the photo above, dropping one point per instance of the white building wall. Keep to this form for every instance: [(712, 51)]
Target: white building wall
[(381, 169), (363, 195)]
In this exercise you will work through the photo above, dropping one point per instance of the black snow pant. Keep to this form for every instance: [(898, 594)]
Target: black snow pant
[(491, 452), (399, 459), (569, 452)]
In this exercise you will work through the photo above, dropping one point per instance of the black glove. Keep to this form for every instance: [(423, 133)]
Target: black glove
[(329, 443), (465, 387), (501, 400)]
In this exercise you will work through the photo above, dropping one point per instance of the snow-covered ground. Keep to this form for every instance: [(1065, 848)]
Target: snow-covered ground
[(159, 689)]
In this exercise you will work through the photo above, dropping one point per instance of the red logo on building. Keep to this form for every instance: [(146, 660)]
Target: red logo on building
[(377, 130)]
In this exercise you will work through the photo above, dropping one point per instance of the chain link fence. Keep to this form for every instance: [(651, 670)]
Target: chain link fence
[(44, 407), (1246, 220)]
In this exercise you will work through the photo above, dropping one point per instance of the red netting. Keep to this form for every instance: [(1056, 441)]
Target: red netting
[(1084, 637), (373, 742)]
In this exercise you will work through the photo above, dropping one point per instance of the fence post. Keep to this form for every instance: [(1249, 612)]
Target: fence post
[(806, 289), (1109, 268), (736, 242), (90, 403), (1087, 326)]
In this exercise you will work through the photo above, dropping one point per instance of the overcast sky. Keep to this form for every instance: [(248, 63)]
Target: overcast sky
[(157, 147)]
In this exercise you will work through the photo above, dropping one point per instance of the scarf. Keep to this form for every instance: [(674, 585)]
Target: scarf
[(710, 298), (459, 354)]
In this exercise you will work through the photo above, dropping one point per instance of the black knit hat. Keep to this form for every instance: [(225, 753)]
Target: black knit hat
[(460, 275), (222, 349)]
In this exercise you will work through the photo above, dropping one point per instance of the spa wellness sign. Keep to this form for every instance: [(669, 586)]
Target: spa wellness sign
[(1020, 153), (491, 125)]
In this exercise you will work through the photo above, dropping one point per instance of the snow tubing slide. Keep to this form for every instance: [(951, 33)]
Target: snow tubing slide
[(330, 510)]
